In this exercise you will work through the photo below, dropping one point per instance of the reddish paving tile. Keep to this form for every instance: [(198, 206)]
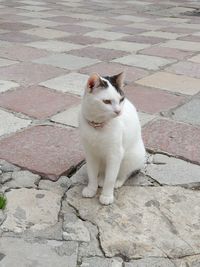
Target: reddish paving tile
[(104, 69), (17, 26), (73, 28), (124, 29), (22, 53), (48, 150), (175, 138), (166, 52), (191, 38), (82, 40), (143, 39), (19, 37), (152, 100), (29, 73), (98, 53), (37, 101)]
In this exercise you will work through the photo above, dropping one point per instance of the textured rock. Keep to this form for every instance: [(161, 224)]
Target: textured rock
[(145, 221), (5, 177), (31, 209), (101, 262), (8, 167), (23, 179), (58, 187), (18, 252), (172, 171), (153, 262)]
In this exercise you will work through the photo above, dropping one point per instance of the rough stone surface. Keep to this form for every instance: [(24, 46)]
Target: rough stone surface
[(172, 171), (18, 252), (59, 187), (7, 166), (157, 262), (130, 226), (31, 209), (101, 262), (23, 179)]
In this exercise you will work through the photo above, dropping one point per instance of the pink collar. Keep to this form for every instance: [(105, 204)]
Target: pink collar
[(96, 125)]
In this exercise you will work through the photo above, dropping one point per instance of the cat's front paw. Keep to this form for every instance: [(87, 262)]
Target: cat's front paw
[(106, 200), (88, 192)]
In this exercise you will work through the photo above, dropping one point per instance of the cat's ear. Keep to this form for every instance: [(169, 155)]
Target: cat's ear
[(119, 79), (93, 82)]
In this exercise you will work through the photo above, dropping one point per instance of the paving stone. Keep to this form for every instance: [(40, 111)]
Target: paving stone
[(152, 100), (160, 34), (2, 218), (145, 118), (178, 30), (68, 117), (7, 62), (191, 261), (75, 229), (48, 150), (59, 187), (172, 171), (174, 138), (54, 45), (6, 85), (47, 33), (30, 73), (34, 8), (99, 53), (22, 53), (72, 83), (19, 37), (18, 252), (30, 209), (172, 82), (43, 102), (143, 61), (43, 23), (14, 26), (130, 226), (195, 59), (22, 179), (10, 123), (73, 29), (82, 39), (131, 18), (80, 177), (101, 262), (153, 262), (105, 68), (166, 52), (67, 61), (190, 38), (8, 167), (94, 24), (5, 177), (123, 46), (187, 68), (182, 45), (145, 26), (125, 29), (107, 35), (143, 39), (65, 19), (189, 112)]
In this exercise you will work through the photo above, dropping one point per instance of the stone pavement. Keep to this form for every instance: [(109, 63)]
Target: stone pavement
[(47, 50)]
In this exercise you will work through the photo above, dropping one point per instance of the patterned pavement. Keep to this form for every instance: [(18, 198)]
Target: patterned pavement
[(47, 50)]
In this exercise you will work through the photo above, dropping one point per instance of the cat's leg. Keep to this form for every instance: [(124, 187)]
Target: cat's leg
[(133, 160), (112, 169), (92, 163)]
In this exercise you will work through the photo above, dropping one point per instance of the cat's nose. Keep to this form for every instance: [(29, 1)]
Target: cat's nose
[(117, 112)]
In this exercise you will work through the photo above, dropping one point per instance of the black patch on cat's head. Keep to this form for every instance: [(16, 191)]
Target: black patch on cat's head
[(115, 84), (103, 84)]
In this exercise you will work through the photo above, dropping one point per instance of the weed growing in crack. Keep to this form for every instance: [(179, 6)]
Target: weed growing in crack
[(2, 202)]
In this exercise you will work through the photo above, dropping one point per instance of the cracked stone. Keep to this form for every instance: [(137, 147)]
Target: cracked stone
[(5, 177), (91, 248), (74, 229), (59, 187), (8, 167), (173, 171), (159, 223), (2, 216), (23, 179), (101, 262), (19, 252), (31, 209), (153, 262)]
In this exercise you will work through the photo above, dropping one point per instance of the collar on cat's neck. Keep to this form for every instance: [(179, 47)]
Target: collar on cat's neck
[(96, 125)]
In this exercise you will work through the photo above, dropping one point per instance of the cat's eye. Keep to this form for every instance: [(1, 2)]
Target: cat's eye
[(106, 101), (121, 100)]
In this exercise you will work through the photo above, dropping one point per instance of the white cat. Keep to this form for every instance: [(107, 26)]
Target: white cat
[(111, 136)]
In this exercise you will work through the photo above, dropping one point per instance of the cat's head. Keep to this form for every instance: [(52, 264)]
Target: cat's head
[(103, 98)]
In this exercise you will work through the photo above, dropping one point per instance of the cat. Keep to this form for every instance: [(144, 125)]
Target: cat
[(110, 133)]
